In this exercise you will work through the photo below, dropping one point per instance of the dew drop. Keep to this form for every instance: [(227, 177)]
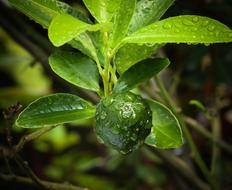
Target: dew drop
[(122, 152), (187, 22), (103, 115), (195, 19), (149, 44), (205, 23), (206, 44), (167, 26), (115, 130), (211, 28)]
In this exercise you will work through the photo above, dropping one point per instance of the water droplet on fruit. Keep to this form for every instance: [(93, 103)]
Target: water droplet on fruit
[(103, 115), (127, 111), (115, 130), (133, 137), (122, 152)]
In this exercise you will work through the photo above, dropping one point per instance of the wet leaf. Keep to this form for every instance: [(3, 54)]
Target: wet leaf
[(64, 28), (183, 29), (122, 21), (42, 11), (139, 73), (131, 54), (166, 131), (53, 110), (102, 10), (147, 12), (76, 69)]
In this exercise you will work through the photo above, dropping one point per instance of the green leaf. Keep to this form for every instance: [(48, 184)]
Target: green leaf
[(84, 43), (131, 54), (166, 131), (122, 21), (76, 69), (198, 104), (64, 28), (53, 110), (183, 29), (102, 10), (42, 11), (147, 12), (139, 73)]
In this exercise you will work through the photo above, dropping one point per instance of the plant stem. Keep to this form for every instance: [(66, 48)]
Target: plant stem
[(216, 130), (196, 155), (182, 168), (106, 74), (27, 138), (47, 184), (201, 130)]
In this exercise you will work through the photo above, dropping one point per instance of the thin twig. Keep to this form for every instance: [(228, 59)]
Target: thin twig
[(48, 184), (27, 138), (201, 130), (216, 130), (182, 168), (25, 167)]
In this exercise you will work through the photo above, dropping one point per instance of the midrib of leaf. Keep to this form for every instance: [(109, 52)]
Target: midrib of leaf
[(58, 114), (40, 6), (157, 128)]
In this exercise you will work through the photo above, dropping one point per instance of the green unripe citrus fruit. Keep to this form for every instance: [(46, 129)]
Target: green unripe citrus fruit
[(123, 121)]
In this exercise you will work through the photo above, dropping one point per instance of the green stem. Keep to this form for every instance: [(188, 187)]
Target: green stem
[(201, 130), (216, 131), (106, 75), (196, 155)]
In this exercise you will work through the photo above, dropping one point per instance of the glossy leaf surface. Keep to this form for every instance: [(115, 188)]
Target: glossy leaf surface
[(166, 131), (131, 54), (76, 69), (102, 10), (42, 11), (183, 29), (64, 28), (147, 12), (139, 73), (53, 110), (122, 21)]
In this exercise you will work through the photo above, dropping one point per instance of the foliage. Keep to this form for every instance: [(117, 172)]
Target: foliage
[(121, 29)]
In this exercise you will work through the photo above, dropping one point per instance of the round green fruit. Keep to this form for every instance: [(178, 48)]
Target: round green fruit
[(123, 121)]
